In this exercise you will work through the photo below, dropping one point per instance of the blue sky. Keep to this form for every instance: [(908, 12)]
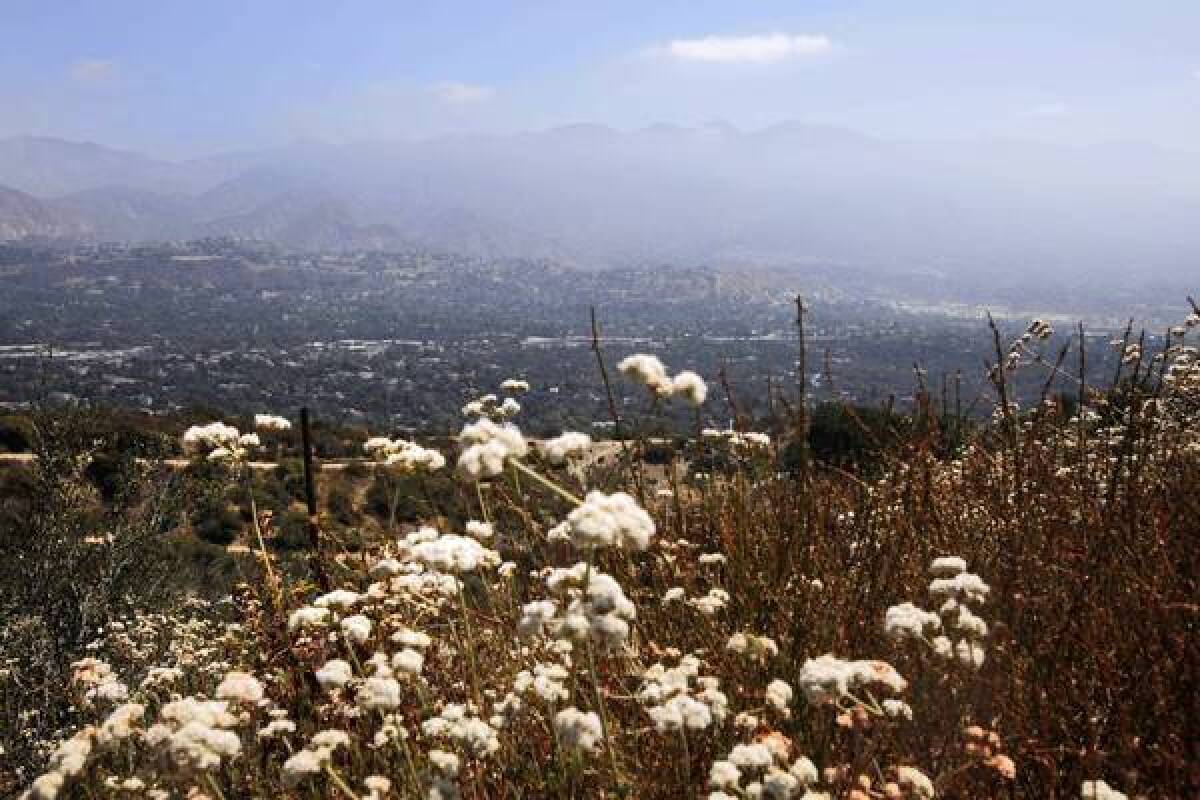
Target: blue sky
[(181, 78)]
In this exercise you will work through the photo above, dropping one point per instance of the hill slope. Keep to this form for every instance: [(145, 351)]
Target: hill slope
[(22, 215)]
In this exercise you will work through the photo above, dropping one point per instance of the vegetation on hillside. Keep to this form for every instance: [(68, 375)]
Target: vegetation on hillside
[(859, 605)]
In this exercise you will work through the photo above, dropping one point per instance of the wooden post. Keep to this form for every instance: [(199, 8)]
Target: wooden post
[(801, 421), (310, 497)]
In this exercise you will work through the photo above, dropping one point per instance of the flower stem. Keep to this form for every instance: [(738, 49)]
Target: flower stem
[(601, 708), (462, 599), (547, 483), (341, 784), (212, 784)]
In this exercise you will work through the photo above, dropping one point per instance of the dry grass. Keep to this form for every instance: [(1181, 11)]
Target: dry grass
[(1084, 526)]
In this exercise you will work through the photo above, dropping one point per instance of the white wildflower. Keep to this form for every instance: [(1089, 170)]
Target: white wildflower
[(948, 566), (240, 687), (308, 617), (578, 730), (335, 674), (907, 621), (565, 446), (610, 520), (270, 422), (779, 696), (690, 387), (647, 370), (356, 628), (339, 599)]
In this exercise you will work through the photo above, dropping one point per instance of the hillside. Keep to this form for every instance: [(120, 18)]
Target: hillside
[(952, 617), (22, 215)]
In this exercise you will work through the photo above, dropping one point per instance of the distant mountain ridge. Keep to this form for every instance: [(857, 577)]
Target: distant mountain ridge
[(593, 196), (24, 216)]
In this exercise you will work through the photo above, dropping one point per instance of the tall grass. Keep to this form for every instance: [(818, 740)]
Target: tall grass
[(741, 651)]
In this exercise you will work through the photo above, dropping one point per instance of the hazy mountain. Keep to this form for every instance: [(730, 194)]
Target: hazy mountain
[(306, 223), (22, 215), (122, 213), (47, 167), (788, 195)]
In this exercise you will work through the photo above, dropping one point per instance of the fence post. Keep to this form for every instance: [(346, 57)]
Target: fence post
[(310, 497)]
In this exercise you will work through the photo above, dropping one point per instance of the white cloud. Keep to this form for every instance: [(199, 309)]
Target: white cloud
[(763, 49), (94, 71), (457, 93)]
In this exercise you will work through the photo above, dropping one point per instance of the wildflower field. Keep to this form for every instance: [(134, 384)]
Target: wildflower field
[(1005, 608)]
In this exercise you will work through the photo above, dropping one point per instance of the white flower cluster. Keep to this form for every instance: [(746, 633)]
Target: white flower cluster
[(690, 386), (196, 733), (671, 703), (565, 446), (221, 442), (335, 674), (907, 621), (710, 603), (610, 520), (402, 455), (411, 581), (120, 724), (514, 386), (457, 723), (380, 690), (377, 787), (766, 762), (490, 406), (308, 617), (98, 681), (779, 697), (313, 758), (828, 679), (914, 783), (447, 553), (270, 422), (67, 761), (649, 371), (356, 628), (956, 588), (599, 611), (479, 530), (487, 446), (546, 681), (240, 687), (338, 600), (578, 730), (758, 648)]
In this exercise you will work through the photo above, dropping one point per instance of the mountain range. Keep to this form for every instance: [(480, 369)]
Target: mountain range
[(591, 196)]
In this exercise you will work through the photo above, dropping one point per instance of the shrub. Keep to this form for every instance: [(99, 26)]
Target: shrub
[(1014, 621), (16, 434)]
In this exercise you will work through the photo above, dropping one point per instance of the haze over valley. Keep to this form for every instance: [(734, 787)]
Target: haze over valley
[(792, 196)]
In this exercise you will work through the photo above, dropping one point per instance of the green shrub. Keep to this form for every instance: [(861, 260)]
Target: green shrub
[(291, 530)]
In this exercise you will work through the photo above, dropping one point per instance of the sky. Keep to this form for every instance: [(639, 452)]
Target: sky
[(183, 79)]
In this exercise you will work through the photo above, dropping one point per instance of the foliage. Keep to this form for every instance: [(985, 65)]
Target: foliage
[(83, 535), (1010, 614)]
